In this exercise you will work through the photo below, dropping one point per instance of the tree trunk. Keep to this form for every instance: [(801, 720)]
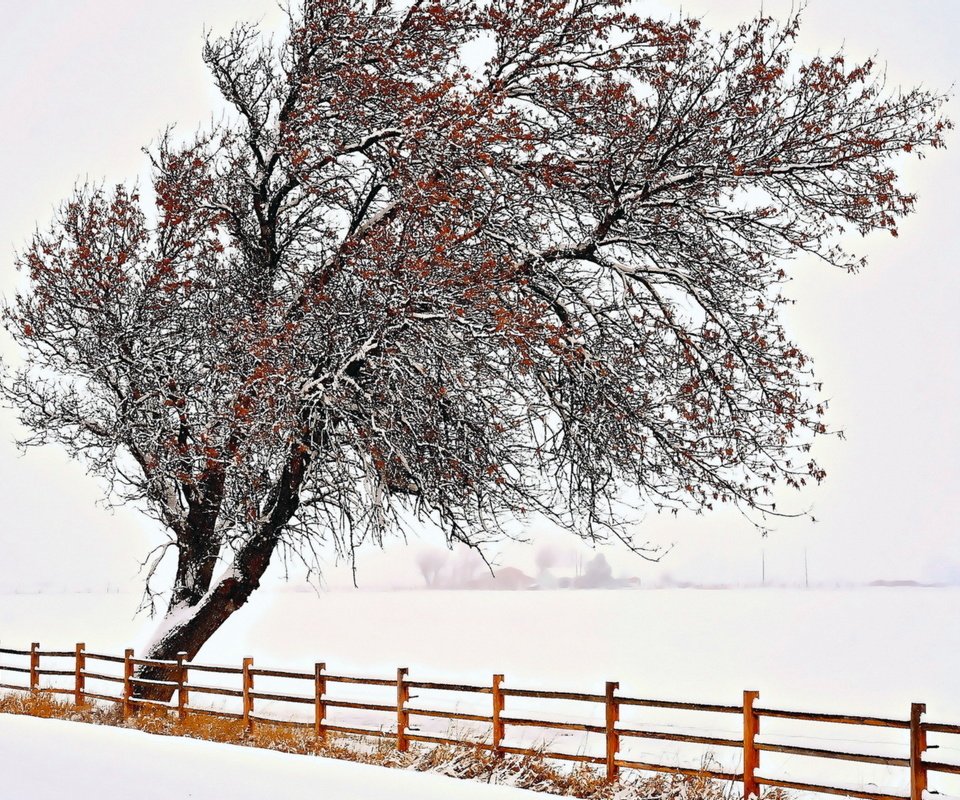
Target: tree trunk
[(191, 626), (198, 607), (190, 623)]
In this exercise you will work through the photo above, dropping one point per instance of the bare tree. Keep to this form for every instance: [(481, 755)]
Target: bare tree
[(546, 557), (397, 283), (430, 561)]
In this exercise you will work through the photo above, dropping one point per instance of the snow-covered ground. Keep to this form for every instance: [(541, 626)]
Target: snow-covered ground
[(113, 764), (868, 651)]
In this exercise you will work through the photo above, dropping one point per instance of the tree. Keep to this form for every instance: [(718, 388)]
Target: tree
[(597, 574), (430, 561), (460, 260), (546, 557)]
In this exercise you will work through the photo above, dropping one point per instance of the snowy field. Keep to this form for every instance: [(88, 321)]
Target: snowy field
[(115, 764), (864, 651)]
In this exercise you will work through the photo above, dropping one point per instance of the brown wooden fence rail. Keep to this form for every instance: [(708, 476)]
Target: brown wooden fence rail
[(87, 666)]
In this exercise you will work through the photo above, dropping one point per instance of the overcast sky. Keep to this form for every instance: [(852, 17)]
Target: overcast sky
[(86, 85)]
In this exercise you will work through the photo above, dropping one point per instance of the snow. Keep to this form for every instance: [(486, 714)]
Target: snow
[(109, 763), (857, 651)]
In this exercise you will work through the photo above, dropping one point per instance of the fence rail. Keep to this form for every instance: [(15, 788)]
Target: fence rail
[(750, 745)]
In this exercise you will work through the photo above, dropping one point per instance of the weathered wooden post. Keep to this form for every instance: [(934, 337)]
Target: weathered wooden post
[(127, 682), (751, 756), (403, 716), (497, 711), (613, 738), (80, 680), (247, 693), (319, 706), (35, 667), (918, 743), (183, 693)]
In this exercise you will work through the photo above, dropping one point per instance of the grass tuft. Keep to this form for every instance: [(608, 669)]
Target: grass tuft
[(471, 763)]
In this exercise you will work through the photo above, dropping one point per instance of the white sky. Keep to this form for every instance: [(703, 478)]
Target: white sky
[(86, 85)]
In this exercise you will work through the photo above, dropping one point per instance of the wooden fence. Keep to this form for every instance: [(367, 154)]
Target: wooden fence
[(750, 745)]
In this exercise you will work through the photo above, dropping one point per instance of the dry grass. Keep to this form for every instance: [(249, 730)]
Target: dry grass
[(472, 763)]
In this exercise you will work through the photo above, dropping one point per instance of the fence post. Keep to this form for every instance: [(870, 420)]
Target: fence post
[(127, 682), (319, 707), (80, 680), (751, 756), (247, 689), (183, 694), (403, 716), (35, 667), (613, 738), (918, 743), (497, 711)]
